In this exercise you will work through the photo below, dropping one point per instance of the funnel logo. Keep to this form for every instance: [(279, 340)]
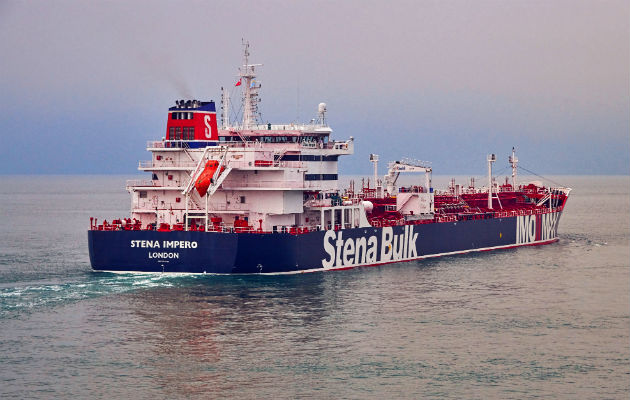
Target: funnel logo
[(207, 120)]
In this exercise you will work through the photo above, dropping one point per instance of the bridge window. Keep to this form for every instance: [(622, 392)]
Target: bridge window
[(320, 177), (306, 157), (181, 115)]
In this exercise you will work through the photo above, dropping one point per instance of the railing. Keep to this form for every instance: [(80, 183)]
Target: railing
[(166, 164), (301, 229), (334, 202), (152, 204), (529, 211), (165, 144), (267, 164), (139, 182), (146, 164), (155, 144), (281, 127), (381, 222), (292, 229), (318, 203), (288, 164), (135, 183), (170, 144), (412, 189), (328, 146), (228, 185), (337, 145)]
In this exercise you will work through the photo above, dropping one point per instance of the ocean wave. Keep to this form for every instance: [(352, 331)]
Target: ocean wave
[(582, 239), (25, 297)]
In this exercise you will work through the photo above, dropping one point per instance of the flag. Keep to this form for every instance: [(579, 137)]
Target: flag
[(238, 83)]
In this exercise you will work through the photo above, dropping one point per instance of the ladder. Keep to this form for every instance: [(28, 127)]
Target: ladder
[(196, 172), (217, 180), (544, 199)]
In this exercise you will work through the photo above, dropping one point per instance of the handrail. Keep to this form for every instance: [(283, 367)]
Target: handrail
[(166, 164), (300, 229), (139, 182), (227, 185), (173, 144), (290, 127)]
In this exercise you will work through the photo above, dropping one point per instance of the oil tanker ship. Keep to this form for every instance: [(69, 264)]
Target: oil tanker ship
[(246, 197)]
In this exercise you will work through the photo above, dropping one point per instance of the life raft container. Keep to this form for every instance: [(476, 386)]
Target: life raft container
[(205, 179)]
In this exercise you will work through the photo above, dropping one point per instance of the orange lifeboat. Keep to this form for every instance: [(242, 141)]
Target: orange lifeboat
[(205, 179)]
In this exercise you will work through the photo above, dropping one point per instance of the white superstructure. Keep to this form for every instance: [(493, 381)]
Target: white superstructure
[(275, 176)]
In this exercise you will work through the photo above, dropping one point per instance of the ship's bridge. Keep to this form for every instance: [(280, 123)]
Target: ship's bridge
[(281, 134)]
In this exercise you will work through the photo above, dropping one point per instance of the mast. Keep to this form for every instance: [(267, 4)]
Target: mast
[(250, 91), (225, 109), (491, 158), (374, 159), (514, 162)]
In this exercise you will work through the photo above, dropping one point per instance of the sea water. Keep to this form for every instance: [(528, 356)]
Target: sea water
[(536, 322)]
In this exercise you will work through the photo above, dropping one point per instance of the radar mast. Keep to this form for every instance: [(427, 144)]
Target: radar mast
[(247, 76), (514, 162)]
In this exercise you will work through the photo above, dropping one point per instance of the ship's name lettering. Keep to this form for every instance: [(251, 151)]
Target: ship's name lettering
[(163, 255), (369, 250), (166, 244), (179, 244)]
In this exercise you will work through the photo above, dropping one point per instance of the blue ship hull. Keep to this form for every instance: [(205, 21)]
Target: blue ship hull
[(247, 253)]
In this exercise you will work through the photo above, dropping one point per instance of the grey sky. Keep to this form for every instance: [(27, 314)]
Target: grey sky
[(84, 85)]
